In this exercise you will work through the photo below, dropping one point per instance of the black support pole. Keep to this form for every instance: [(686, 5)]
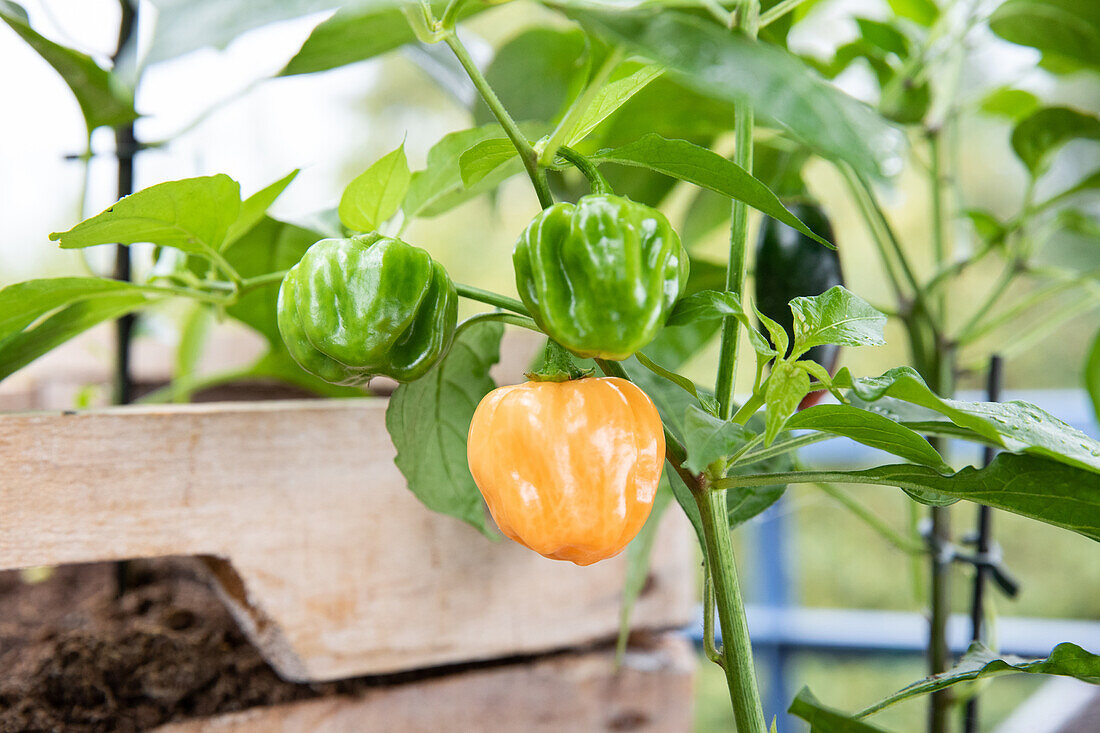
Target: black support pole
[(125, 150), (994, 384)]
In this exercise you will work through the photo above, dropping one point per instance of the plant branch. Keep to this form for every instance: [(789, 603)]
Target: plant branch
[(526, 153), (587, 167), (490, 298), (777, 11)]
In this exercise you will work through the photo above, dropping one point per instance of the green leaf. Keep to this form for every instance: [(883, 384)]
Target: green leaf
[(837, 316), (705, 305), (776, 332), (1015, 426), (709, 439), (729, 66), (103, 99), (429, 420), (1092, 375), (695, 164), (1063, 28), (187, 25), (685, 499), (637, 555), (785, 388), (710, 305), (922, 12), (988, 227), (870, 429), (484, 158), (26, 346), (680, 381), (269, 246), (193, 215), (376, 194), (827, 720), (1091, 182), (21, 304), (1065, 660), (439, 188), (625, 82), (193, 335), (357, 32), (1041, 134), (1011, 104), (884, 36), (255, 206), (1032, 486)]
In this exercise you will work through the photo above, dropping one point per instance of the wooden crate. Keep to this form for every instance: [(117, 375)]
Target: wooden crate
[(329, 563), (575, 692)]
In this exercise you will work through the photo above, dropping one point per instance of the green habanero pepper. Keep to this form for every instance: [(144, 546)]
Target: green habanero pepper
[(600, 276), (352, 309), (790, 265)]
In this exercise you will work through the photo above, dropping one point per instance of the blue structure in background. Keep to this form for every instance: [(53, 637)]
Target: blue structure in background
[(780, 628)]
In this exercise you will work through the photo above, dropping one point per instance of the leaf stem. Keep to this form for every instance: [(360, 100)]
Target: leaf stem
[(777, 11), (490, 298), (588, 168), (251, 283), (510, 318), (526, 153)]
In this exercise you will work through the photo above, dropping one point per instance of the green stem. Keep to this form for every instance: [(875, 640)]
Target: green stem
[(585, 166), (188, 293), (521, 321), (971, 330), (736, 267), (872, 520), (251, 283), (781, 447), (708, 620), (736, 647), (526, 153), (777, 11), (939, 241), (490, 298)]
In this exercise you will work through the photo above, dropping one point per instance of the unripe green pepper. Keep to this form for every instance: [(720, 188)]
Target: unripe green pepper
[(789, 265), (352, 309), (600, 276)]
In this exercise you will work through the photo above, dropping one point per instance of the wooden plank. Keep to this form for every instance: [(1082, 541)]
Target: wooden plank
[(334, 568), (577, 692)]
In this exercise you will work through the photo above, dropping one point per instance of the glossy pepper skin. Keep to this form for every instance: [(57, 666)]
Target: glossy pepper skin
[(568, 469), (355, 308), (789, 265), (600, 276)]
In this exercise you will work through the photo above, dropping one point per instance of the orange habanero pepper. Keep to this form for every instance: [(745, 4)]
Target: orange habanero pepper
[(568, 469)]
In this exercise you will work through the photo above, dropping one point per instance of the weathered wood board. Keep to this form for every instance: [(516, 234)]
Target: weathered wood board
[(651, 693), (329, 563)]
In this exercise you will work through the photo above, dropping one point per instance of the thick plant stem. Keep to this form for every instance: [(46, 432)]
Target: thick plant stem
[(739, 235), (526, 153), (736, 648)]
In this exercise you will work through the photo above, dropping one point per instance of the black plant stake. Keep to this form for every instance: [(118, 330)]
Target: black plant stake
[(983, 542), (125, 150)]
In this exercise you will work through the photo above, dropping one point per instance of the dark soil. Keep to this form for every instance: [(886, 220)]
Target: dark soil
[(73, 657)]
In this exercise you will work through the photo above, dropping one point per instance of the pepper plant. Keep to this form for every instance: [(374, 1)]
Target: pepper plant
[(583, 459)]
